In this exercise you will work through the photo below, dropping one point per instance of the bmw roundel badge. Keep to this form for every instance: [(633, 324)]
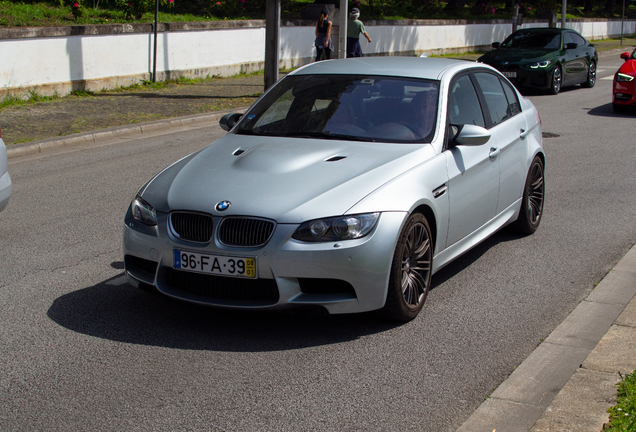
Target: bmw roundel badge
[(223, 205)]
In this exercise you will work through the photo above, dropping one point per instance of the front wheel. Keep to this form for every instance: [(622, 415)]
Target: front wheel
[(591, 76), (532, 201), (411, 270), (555, 87)]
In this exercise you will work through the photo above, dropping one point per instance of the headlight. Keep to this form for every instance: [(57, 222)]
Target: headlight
[(336, 228), (623, 77), (143, 212), (541, 64)]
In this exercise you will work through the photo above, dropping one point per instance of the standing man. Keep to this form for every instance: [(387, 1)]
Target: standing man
[(354, 28)]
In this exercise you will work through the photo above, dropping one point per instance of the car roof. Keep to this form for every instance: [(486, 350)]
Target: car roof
[(412, 67)]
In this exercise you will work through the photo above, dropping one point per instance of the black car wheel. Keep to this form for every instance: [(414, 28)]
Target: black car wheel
[(555, 87), (411, 270), (591, 76), (532, 201)]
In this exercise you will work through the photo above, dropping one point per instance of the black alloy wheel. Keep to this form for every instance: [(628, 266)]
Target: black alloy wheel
[(532, 201), (591, 76), (555, 87), (411, 270)]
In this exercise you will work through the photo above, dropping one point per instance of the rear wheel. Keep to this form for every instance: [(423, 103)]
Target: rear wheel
[(532, 202), (555, 87), (410, 277), (591, 76)]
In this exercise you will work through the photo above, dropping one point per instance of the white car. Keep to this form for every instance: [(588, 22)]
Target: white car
[(5, 179), (346, 186)]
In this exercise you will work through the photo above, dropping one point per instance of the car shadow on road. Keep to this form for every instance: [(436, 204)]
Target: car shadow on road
[(114, 310), (606, 110)]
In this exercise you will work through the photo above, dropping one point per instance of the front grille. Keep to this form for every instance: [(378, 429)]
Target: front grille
[(326, 286), (224, 290), (245, 232), (194, 227), (538, 80)]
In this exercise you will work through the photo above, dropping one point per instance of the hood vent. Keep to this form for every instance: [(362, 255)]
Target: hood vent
[(335, 158)]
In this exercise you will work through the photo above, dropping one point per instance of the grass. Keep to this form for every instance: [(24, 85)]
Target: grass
[(49, 13), (623, 415)]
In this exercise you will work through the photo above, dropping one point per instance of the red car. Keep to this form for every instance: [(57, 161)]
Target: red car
[(624, 89)]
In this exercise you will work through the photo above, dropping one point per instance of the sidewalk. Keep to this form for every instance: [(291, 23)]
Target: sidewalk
[(566, 384)]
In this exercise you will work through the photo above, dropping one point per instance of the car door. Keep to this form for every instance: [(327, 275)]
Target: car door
[(508, 130), (473, 175), (574, 64)]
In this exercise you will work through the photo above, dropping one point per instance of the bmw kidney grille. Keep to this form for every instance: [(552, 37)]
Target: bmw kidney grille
[(193, 227), (245, 232)]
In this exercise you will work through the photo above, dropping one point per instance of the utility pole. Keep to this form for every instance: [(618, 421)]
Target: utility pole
[(154, 61), (564, 8), (342, 35), (272, 41)]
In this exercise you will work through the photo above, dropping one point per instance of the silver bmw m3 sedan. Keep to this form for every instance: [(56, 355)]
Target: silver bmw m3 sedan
[(346, 186)]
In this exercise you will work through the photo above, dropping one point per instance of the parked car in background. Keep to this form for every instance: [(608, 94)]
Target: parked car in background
[(624, 89), (546, 59), (346, 186), (5, 179)]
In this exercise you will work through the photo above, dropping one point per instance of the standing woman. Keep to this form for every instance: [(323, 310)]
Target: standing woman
[(323, 36)]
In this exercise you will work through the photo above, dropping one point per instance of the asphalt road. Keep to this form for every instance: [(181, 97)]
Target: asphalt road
[(81, 350)]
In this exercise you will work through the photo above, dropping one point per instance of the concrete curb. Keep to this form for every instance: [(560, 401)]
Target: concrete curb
[(119, 132), (569, 381)]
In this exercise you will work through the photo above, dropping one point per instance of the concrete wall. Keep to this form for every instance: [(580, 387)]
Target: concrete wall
[(50, 60)]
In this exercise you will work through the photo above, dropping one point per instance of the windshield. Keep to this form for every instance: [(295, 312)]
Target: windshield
[(533, 40), (353, 107)]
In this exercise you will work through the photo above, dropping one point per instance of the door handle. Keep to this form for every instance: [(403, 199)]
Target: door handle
[(494, 152), (523, 133)]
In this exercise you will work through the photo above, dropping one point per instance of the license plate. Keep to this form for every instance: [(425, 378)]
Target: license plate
[(509, 74), (215, 264)]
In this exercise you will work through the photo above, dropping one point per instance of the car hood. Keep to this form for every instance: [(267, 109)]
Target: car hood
[(290, 180), (628, 68), (511, 55)]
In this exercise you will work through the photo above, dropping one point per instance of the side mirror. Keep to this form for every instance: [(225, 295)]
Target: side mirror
[(495, 45), (470, 135), (228, 121), (571, 45), (625, 56)]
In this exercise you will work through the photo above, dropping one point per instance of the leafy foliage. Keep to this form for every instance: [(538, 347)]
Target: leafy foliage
[(15, 13), (623, 415)]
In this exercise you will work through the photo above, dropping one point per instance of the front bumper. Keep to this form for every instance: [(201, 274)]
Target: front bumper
[(342, 277), (538, 79), (624, 93), (5, 190)]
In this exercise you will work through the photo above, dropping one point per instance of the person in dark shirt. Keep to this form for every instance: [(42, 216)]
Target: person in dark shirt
[(323, 36)]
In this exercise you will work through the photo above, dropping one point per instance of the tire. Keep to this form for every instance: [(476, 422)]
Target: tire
[(532, 201), (557, 79), (591, 76), (409, 284)]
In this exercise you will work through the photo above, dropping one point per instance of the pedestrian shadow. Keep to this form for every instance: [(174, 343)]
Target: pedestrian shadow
[(116, 311)]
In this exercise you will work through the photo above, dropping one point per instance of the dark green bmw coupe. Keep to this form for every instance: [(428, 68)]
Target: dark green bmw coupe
[(545, 59)]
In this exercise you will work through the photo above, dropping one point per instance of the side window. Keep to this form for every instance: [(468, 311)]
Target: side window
[(511, 95), (578, 39), (567, 38), (464, 107), (495, 97)]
